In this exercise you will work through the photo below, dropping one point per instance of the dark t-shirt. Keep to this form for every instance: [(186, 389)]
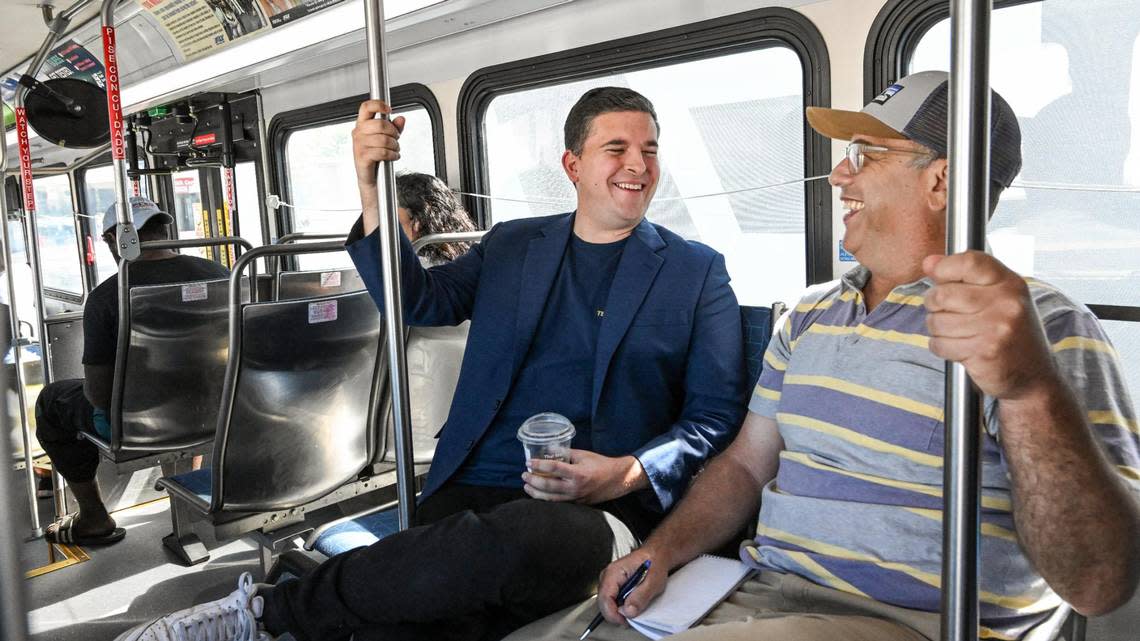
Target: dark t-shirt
[(557, 374), (101, 312)]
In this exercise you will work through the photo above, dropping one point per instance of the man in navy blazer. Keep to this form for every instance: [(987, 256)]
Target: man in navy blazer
[(622, 326)]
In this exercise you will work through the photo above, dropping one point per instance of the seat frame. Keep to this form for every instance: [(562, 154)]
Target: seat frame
[(276, 529)]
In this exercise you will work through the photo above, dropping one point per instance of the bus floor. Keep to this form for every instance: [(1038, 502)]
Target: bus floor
[(137, 580), (127, 583)]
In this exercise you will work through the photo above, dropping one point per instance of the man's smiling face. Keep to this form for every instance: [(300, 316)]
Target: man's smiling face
[(617, 172)]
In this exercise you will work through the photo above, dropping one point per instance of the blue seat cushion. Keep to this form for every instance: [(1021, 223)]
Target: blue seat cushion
[(357, 533), (757, 325), (197, 483)]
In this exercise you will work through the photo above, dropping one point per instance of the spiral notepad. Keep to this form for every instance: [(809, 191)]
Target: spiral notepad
[(690, 594)]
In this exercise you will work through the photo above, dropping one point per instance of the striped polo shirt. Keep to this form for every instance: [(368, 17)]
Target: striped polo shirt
[(857, 502)]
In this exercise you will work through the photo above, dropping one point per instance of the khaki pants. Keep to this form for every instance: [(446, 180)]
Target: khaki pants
[(770, 605)]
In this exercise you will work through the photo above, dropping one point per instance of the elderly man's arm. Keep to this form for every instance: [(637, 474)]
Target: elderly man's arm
[(725, 496), (1076, 519)]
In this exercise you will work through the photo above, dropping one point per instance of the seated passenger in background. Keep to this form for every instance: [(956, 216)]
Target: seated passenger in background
[(627, 329), (66, 408), (427, 207), (842, 450)]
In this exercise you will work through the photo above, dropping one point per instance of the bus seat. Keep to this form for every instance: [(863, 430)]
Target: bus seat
[(758, 324), (371, 525), (169, 386), (298, 413), (434, 355), (307, 284)]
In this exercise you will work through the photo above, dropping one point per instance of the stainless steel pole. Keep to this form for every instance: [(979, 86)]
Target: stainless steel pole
[(126, 236), (17, 355), (55, 29), (14, 613), (966, 214), (390, 263)]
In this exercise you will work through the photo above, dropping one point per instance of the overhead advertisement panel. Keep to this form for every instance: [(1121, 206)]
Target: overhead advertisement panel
[(201, 27), (68, 60)]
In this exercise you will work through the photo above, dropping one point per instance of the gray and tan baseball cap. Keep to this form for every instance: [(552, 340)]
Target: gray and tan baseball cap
[(917, 108), (142, 210)]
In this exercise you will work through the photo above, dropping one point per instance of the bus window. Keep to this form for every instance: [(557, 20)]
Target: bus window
[(322, 181), (59, 245), (248, 205), (1071, 75), (720, 141), (98, 195), (188, 207)]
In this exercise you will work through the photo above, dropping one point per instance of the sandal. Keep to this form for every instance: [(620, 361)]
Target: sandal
[(63, 534)]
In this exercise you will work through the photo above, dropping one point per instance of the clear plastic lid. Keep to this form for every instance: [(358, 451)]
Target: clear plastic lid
[(546, 428)]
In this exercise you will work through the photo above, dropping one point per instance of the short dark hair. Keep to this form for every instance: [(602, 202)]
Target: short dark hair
[(434, 209), (598, 101)]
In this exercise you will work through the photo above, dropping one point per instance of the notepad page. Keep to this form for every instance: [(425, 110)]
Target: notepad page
[(690, 594)]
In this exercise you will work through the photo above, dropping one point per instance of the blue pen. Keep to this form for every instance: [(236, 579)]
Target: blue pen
[(623, 593)]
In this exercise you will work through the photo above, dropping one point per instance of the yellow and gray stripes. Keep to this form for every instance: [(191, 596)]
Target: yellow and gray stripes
[(857, 502)]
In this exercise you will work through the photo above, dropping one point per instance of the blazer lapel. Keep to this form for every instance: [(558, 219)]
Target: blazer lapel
[(540, 266), (637, 268)]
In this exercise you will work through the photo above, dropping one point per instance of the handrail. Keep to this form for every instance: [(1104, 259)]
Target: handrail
[(390, 272), (448, 237), (124, 305), (966, 211), (85, 160), (305, 235), (292, 237)]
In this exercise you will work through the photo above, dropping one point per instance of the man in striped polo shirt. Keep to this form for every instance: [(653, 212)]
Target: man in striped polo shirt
[(842, 449)]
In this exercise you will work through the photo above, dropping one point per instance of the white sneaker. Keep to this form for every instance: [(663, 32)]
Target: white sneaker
[(233, 618)]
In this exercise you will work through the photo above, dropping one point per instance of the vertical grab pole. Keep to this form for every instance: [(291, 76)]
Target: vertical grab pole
[(390, 262), (57, 27), (12, 338), (13, 616), (126, 236), (967, 209)]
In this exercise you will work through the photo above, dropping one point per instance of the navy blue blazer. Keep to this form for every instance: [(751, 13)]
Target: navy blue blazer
[(669, 375)]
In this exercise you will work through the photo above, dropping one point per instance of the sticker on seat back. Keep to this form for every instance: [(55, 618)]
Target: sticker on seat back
[(322, 312), (194, 291), (330, 279)]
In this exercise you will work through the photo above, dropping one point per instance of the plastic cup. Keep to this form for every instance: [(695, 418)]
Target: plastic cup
[(546, 436)]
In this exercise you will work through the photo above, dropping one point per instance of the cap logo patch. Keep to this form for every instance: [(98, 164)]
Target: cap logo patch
[(887, 94)]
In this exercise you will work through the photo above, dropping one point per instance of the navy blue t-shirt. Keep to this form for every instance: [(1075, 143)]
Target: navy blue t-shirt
[(557, 374)]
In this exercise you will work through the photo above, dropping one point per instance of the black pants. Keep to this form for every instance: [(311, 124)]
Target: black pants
[(484, 562), (62, 412)]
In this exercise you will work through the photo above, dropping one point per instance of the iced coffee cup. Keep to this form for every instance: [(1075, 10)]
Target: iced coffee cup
[(547, 436)]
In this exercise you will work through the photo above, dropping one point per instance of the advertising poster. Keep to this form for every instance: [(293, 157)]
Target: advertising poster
[(72, 60), (68, 60), (285, 11), (200, 27)]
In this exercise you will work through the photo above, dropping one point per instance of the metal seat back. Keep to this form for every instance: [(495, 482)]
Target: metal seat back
[(299, 407), (307, 284), (174, 366)]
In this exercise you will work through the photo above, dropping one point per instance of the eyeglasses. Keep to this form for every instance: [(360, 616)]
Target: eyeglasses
[(856, 150)]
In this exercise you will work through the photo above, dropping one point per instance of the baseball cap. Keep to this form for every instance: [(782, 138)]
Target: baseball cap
[(917, 108), (142, 210)]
